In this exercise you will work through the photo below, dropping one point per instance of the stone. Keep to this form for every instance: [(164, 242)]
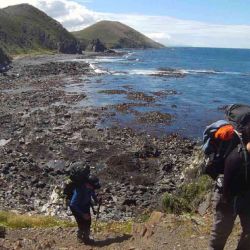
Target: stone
[(2, 232), (146, 229), (155, 217), (203, 207), (96, 46)]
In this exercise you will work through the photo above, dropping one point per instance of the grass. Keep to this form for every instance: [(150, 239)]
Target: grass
[(17, 221), (13, 220), (26, 28), (32, 52), (188, 196), (124, 227)]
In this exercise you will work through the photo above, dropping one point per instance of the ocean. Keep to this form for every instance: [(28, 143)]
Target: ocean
[(193, 85)]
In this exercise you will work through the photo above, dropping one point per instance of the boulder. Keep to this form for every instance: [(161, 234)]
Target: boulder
[(96, 46), (147, 229), (69, 47)]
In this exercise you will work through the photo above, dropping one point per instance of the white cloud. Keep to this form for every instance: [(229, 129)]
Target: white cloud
[(157, 36), (72, 15), (164, 29)]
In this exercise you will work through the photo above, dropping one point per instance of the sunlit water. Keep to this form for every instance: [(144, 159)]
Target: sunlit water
[(211, 78)]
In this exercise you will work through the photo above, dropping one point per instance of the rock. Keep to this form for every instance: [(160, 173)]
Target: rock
[(88, 151), (110, 51), (129, 202), (96, 46), (168, 167), (155, 217), (149, 150), (4, 142), (69, 47), (2, 232), (40, 184), (203, 207), (56, 165), (146, 229)]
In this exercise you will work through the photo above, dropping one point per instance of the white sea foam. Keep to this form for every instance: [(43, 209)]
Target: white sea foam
[(163, 72), (108, 59), (143, 72), (168, 72), (98, 70), (207, 71), (119, 73), (198, 71)]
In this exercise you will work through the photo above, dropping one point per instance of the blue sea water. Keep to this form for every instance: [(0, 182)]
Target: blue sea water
[(212, 78)]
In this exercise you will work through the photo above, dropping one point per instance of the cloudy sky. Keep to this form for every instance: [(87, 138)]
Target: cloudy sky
[(206, 23)]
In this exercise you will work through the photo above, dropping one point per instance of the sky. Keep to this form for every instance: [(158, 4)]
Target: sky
[(206, 23)]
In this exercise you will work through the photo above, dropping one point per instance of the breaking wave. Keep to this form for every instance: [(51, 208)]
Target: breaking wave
[(98, 70), (171, 71)]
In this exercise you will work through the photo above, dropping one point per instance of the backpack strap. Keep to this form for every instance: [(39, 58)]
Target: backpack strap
[(245, 155), (229, 149)]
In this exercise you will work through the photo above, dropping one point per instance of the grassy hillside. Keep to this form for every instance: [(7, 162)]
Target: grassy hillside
[(115, 35), (23, 28)]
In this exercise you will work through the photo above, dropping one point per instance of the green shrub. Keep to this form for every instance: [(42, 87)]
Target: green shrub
[(173, 204), (188, 196)]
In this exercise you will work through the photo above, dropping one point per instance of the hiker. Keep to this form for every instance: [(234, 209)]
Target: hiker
[(232, 197), (83, 197), (219, 139)]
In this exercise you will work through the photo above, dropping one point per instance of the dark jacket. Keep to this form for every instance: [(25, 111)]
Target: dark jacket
[(235, 182), (216, 161), (82, 199)]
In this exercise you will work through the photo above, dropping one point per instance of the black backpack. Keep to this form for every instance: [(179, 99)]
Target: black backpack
[(237, 115), (242, 177), (79, 173)]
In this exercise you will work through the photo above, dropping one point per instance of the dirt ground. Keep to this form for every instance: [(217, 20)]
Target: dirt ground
[(159, 233)]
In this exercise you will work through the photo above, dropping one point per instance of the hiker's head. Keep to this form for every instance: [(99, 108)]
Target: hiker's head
[(93, 182)]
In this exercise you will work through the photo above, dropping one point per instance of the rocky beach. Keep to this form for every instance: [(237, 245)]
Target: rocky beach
[(123, 94), (44, 130)]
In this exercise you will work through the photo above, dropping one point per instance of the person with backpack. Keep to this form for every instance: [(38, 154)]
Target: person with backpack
[(83, 197), (219, 138), (227, 149), (232, 197)]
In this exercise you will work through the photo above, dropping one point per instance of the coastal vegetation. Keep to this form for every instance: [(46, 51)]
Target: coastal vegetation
[(115, 35), (188, 196), (17, 221), (14, 220), (25, 29)]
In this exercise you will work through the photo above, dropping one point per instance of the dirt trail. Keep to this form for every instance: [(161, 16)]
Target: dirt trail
[(160, 232)]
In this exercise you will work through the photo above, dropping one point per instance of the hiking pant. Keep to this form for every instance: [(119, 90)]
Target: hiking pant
[(83, 225), (224, 218)]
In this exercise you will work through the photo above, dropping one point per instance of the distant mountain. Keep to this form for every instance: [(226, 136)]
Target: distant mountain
[(115, 35), (24, 28)]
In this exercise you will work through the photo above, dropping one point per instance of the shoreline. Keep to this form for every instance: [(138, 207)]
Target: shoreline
[(41, 135)]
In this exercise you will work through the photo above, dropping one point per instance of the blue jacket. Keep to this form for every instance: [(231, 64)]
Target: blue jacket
[(82, 199)]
